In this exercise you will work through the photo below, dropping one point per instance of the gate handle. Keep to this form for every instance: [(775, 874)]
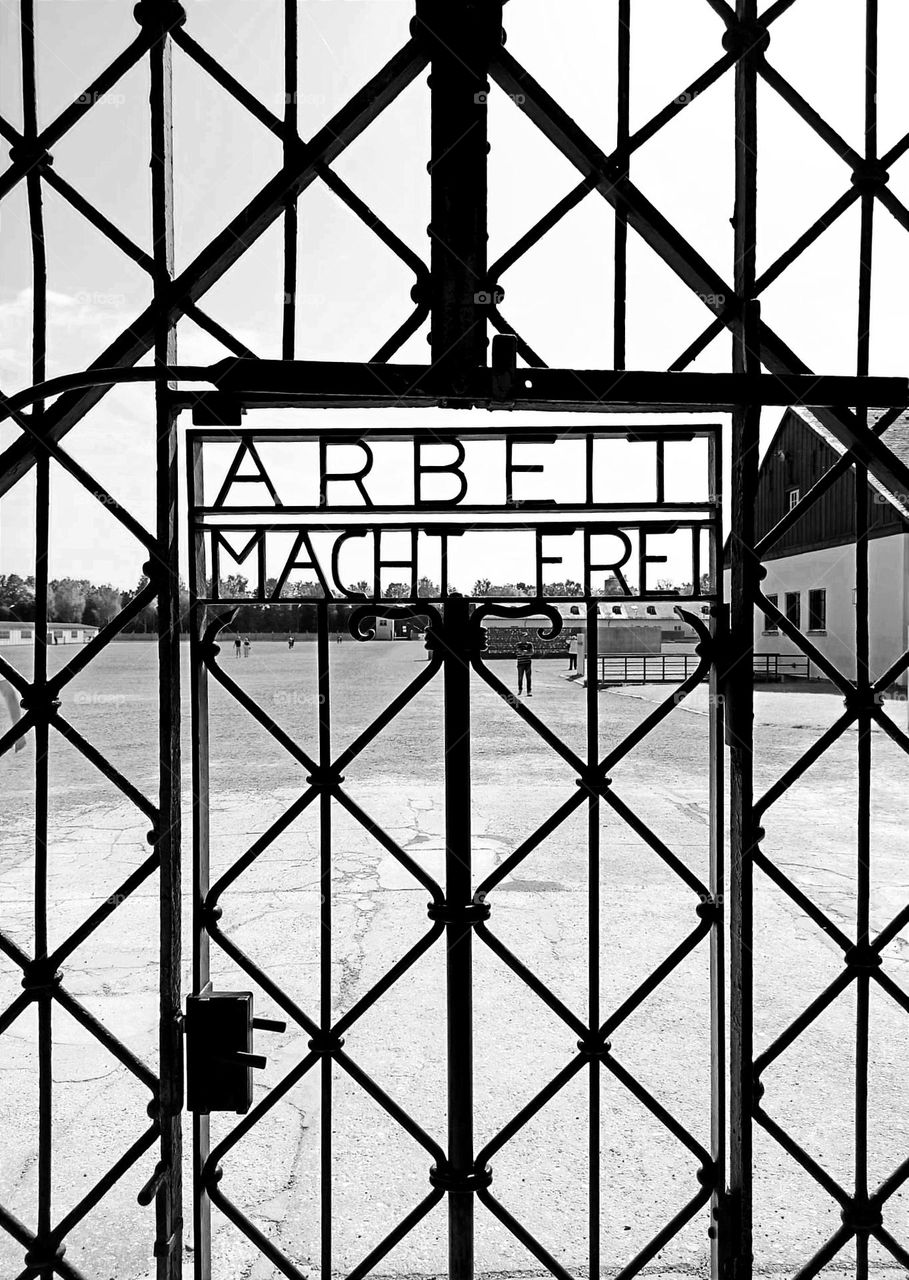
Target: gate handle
[(269, 1024)]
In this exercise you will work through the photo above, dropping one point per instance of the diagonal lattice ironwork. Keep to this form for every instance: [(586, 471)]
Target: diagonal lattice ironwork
[(326, 1043), (464, 297), (327, 1036), (594, 1046)]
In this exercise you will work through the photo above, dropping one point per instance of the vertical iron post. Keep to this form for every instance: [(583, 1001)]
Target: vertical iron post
[(747, 39), (459, 940), (45, 1248), (863, 676), (325, 951), (161, 16), (291, 141), (623, 130), (201, 878), (717, 881), (462, 36), (592, 692)]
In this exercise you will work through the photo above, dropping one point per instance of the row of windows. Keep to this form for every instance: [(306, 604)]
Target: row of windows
[(792, 610), (51, 635), (618, 609)]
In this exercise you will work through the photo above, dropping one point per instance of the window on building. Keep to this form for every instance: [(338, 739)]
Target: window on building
[(575, 610), (770, 627), (25, 635), (793, 496), (616, 608), (794, 608), (651, 609), (74, 635), (817, 610), (5, 635)]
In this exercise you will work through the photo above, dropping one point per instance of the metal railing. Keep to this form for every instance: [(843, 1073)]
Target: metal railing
[(673, 668)]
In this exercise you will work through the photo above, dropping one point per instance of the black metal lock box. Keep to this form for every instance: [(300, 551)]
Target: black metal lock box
[(219, 1058)]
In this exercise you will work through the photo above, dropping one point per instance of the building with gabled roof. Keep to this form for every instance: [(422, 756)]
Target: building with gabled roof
[(810, 570)]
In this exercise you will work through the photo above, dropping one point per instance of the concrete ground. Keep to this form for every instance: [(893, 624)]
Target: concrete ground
[(540, 912)]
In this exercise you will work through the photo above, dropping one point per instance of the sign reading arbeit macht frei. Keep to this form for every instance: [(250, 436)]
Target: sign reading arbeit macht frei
[(344, 514)]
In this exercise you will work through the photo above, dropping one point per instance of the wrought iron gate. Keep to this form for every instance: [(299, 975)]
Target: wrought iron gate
[(460, 291), (459, 908)]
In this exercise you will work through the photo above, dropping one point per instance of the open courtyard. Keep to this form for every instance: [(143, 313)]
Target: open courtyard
[(540, 912)]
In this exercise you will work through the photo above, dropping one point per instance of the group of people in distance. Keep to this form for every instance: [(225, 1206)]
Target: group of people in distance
[(242, 644), (524, 655)]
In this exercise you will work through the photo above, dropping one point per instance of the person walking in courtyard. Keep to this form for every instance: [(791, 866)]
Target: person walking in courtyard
[(573, 652), (237, 646), (290, 642), (246, 646), (524, 652)]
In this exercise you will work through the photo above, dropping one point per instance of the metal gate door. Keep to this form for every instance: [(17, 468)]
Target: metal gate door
[(460, 909)]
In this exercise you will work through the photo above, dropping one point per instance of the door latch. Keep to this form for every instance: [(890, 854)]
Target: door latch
[(219, 1050)]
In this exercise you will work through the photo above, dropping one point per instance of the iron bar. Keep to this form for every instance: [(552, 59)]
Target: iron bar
[(459, 942), (734, 1251), (325, 939), (623, 96), (291, 142), (201, 958), (44, 1248), (166, 833), (593, 937), (461, 36)]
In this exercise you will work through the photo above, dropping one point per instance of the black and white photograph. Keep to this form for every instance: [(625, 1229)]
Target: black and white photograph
[(454, 639)]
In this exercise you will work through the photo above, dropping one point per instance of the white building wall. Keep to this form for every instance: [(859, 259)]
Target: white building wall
[(832, 569)]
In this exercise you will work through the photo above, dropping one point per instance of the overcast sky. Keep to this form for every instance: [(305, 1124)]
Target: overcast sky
[(352, 292)]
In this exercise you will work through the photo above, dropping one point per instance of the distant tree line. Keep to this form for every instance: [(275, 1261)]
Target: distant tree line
[(71, 600), (76, 600)]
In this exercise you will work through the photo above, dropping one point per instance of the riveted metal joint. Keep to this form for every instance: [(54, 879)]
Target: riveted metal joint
[(41, 976), (746, 39), (326, 1043), (159, 16), (325, 778), (447, 1179), (594, 1047), (30, 155), (709, 909), (468, 913), (594, 781), (44, 1255), (870, 176), (862, 1216), (862, 958)]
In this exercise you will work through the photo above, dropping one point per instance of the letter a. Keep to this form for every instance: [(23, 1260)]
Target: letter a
[(232, 477)]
